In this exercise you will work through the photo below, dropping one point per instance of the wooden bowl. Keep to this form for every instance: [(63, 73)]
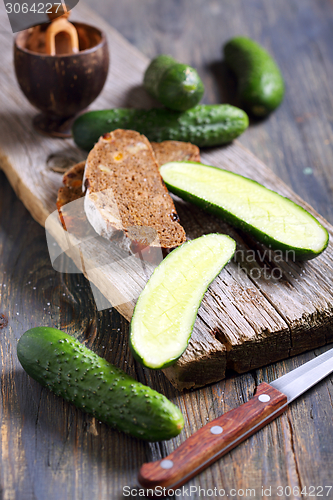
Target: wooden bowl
[(63, 85)]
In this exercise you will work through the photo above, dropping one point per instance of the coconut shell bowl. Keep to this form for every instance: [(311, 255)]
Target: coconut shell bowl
[(61, 68)]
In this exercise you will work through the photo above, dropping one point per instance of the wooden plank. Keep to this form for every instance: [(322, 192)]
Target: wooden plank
[(246, 319), (47, 448)]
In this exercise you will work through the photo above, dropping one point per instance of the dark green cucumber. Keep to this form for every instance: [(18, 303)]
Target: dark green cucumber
[(271, 218), (177, 86), (204, 125), (61, 363), (260, 83)]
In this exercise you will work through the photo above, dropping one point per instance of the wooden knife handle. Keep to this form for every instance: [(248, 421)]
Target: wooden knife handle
[(215, 439)]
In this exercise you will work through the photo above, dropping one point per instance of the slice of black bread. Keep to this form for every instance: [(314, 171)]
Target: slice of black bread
[(125, 191), (71, 191), (175, 151), (164, 152)]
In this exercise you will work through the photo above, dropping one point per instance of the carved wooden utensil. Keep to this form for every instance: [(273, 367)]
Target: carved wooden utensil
[(61, 68), (224, 433), (61, 36)]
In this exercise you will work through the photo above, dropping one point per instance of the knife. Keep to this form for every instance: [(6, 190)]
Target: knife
[(221, 435)]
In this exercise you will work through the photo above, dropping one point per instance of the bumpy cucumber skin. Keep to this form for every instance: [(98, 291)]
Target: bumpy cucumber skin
[(177, 86), (180, 88), (62, 364), (154, 73), (173, 360), (203, 125), (299, 253), (260, 83)]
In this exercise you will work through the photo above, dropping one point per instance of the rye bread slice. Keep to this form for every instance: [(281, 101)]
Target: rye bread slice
[(71, 191), (164, 152), (175, 151), (125, 191)]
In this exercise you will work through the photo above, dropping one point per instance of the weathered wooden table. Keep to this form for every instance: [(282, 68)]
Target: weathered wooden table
[(48, 449)]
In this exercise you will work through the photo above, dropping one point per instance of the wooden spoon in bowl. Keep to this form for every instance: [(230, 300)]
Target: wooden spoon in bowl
[(61, 36)]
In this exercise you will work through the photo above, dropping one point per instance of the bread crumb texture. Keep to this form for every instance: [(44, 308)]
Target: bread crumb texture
[(126, 190)]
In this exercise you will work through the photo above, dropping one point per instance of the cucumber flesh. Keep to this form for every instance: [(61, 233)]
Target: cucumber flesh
[(62, 364), (166, 310), (244, 203)]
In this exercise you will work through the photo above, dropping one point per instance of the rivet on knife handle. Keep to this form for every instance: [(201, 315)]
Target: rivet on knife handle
[(214, 440)]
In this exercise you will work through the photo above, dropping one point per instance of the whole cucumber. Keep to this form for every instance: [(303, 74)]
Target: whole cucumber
[(61, 363), (177, 86), (260, 83), (203, 125)]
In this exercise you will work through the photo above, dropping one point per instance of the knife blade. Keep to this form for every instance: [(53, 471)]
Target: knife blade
[(221, 435)]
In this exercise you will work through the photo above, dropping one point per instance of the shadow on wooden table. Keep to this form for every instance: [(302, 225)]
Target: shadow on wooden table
[(57, 432), (226, 88), (225, 80), (138, 97)]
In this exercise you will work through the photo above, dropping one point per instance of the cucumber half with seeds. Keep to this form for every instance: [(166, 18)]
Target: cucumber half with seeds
[(65, 366), (166, 310), (246, 204)]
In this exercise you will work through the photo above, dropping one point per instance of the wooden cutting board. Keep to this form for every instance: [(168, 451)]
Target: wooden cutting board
[(259, 310)]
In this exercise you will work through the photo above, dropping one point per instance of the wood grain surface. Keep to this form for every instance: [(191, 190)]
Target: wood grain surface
[(205, 446), (260, 309), (48, 449)]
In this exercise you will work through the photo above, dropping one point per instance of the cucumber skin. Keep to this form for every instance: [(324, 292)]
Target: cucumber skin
[(203, 125), (300, 253), (95, 386), (260, 83), (166, 80), (173, 361), (154, 73), (180, 88)]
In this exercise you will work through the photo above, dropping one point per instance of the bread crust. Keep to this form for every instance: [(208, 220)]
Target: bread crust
[(73, 188), (70, 191), (175, 151), (125, 191)]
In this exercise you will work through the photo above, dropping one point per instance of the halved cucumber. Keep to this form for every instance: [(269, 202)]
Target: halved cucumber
[(246, 204), (165, 312)]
